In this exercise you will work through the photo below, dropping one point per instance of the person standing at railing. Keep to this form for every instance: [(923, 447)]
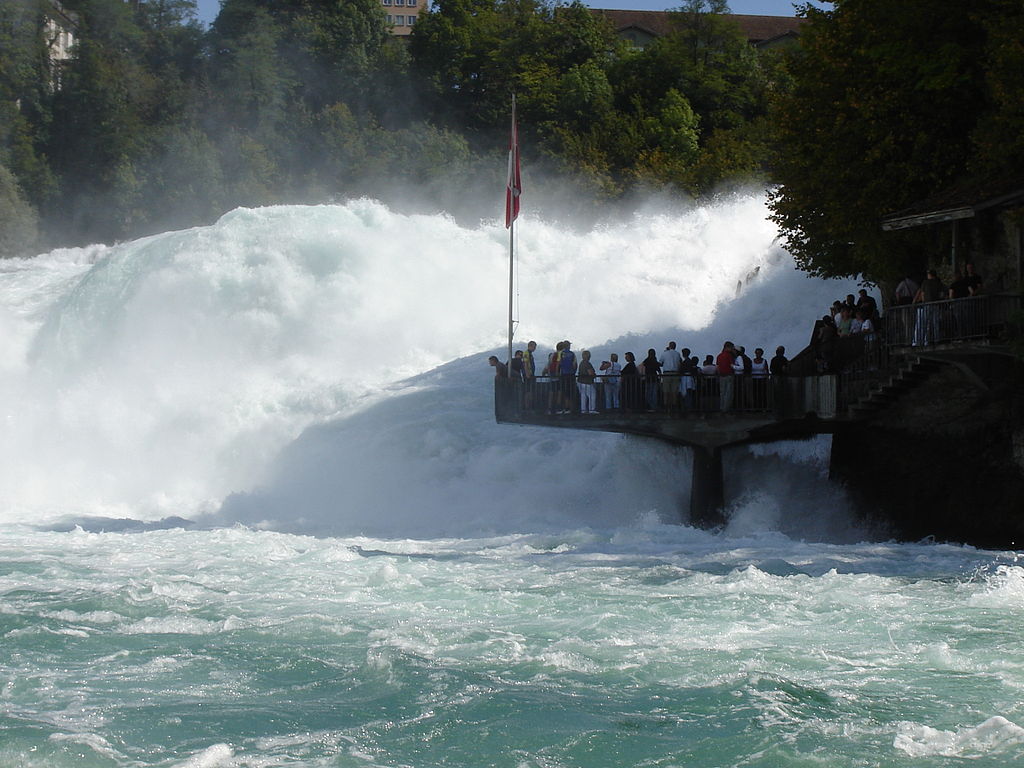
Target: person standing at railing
[(517, 366), (670, 361), (500, 369), (779, 363), (724, 363), (707, 384), (906, 290), (975, 286), (585, 380), (844, 322), (612, 373), (741, 369), (867, 303), (650, 367), (530, 372), (759, 379), (974, 282), (926, 325), (630, 378), (567, 372), (688, 381)]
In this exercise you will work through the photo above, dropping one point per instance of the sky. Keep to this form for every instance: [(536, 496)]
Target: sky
[(208, 8)]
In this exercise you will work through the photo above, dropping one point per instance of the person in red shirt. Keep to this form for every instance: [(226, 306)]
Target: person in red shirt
[(724, 363)]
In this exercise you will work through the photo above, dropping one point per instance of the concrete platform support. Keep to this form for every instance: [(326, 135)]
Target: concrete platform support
[(707, 489)]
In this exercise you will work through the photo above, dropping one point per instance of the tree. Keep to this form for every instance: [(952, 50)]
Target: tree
[(881, 114), (474, 54), (18, 220)]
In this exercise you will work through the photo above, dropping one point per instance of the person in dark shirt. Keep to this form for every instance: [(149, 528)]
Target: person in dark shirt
[(651, 368), (931, 289), (867, 303), (518, 366), (500, 369), (973, 279), (630, 379), (958, 288), (926, 321), (779, 363)]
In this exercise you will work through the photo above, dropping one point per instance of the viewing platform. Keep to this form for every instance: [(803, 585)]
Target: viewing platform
[(863, 377)]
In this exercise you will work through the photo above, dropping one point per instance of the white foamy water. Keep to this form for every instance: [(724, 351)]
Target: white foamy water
[(159, 376), (382, 576)]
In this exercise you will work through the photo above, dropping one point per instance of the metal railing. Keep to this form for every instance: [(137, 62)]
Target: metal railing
[(669, 395), (974, 318), (825, 379)]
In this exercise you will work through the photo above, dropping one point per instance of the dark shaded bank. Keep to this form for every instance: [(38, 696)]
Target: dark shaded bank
[(945, 457)]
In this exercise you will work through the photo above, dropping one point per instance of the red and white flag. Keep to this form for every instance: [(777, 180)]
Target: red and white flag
[(514, 187)]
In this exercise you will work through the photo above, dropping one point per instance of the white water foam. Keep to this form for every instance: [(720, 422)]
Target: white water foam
[(995, 736), (159, 376)]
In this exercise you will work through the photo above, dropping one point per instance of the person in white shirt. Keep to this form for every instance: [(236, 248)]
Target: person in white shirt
[(759, 378), (611, 370), (671, 361)]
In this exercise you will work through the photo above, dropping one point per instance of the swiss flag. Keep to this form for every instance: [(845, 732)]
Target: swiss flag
[(514, 187)]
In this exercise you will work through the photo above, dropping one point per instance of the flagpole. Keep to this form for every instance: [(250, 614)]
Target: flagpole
[(511, 272), (512, 190)]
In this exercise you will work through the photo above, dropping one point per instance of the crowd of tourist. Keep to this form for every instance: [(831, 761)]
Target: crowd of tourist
[(672, 381), (677, 381)]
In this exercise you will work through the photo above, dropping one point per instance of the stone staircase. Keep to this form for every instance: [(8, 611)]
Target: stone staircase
[(910, 374)]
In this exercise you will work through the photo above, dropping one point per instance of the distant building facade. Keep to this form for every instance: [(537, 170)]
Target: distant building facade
[(59, 29), (403, 14), (641, 28)]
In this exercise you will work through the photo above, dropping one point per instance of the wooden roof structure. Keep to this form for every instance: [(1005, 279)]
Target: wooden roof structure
[(758, 30)]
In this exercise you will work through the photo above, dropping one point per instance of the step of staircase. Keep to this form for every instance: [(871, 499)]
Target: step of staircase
[(909, 376)]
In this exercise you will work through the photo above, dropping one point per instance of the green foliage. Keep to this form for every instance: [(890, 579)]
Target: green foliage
[(18, 220), (157, 123), (884, 111)]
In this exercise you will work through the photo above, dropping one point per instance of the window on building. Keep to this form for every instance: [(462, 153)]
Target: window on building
[(410, 20), (391, 19), (387, 2), (399, 21), (411, 3), (399, 2)]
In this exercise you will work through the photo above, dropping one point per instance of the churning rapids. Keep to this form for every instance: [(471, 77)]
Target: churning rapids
[(256, 512)]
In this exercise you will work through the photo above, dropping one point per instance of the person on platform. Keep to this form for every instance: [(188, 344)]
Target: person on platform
[(585, 380), (741, 369), (612, 383), (975, 284), (566, 373), (844, 322), (856, 322), (867, 303), (500, 369), (517, 366), (906, 290), (779, 363), (958, 288), (630, 378), (759, 379), (671, 362), (529, 362), (724, 363), (926, 321), (530, 373), (688, 381), (651, 367)]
